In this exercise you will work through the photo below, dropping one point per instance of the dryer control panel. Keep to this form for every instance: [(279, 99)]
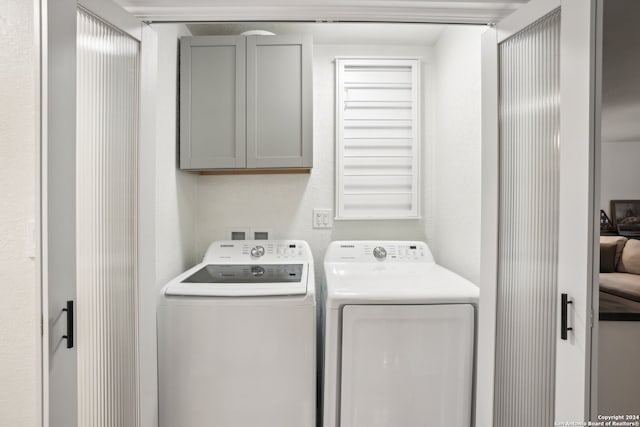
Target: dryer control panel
[(379, 250), (258, 251)]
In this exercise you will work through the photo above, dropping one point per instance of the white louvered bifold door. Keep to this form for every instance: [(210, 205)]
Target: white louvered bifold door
[(529, 114), (377, 138), (107, 246)]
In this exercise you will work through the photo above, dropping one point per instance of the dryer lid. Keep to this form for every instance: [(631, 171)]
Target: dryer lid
[(418, 283)]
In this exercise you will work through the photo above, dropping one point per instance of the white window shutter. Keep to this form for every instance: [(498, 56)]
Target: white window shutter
[(378, 138)]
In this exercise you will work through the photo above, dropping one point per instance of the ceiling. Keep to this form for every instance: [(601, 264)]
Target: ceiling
[(451, 11), (333, 33)]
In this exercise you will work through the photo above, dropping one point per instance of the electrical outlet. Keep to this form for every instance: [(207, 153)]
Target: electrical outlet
[(238, 233), (322, 218), (261, 234)]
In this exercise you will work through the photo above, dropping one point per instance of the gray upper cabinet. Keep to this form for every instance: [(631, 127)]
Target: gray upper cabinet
[(246, 102), (279, 104), (212, 102)]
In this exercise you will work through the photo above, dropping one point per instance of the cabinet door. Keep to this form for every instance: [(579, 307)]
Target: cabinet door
[(279, 101), (212, 102)]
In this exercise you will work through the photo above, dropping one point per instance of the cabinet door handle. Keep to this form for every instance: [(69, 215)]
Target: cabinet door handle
[(563, 315), (69, 336)]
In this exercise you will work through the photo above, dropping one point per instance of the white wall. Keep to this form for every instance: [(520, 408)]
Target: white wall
[(175, 189), (167, 197), (18, 309), (620, 173), (284, 203), (455, 162)]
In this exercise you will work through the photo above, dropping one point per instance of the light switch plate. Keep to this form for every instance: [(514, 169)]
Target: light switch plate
[(322, 218)]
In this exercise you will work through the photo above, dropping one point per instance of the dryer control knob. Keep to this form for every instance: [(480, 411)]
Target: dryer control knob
[(257, 251), (379, 252)]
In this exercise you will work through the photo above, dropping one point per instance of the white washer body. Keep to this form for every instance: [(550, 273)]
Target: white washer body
[(399, 338), (237, 341)]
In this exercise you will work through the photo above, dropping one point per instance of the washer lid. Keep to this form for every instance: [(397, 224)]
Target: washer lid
[(240, 280), (247, 273)]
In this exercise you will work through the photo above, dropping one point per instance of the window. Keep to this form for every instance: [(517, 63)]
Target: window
[(377, 138)]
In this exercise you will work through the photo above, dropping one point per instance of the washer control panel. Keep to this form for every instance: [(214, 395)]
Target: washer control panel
[(379, 251), (260, 251)]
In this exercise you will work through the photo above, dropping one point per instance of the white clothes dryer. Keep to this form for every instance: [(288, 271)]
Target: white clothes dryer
[(237, 338), (399, 338)]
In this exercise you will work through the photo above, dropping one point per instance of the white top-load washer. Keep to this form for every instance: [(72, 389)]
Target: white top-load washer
[(399, 337), (237, 338)]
